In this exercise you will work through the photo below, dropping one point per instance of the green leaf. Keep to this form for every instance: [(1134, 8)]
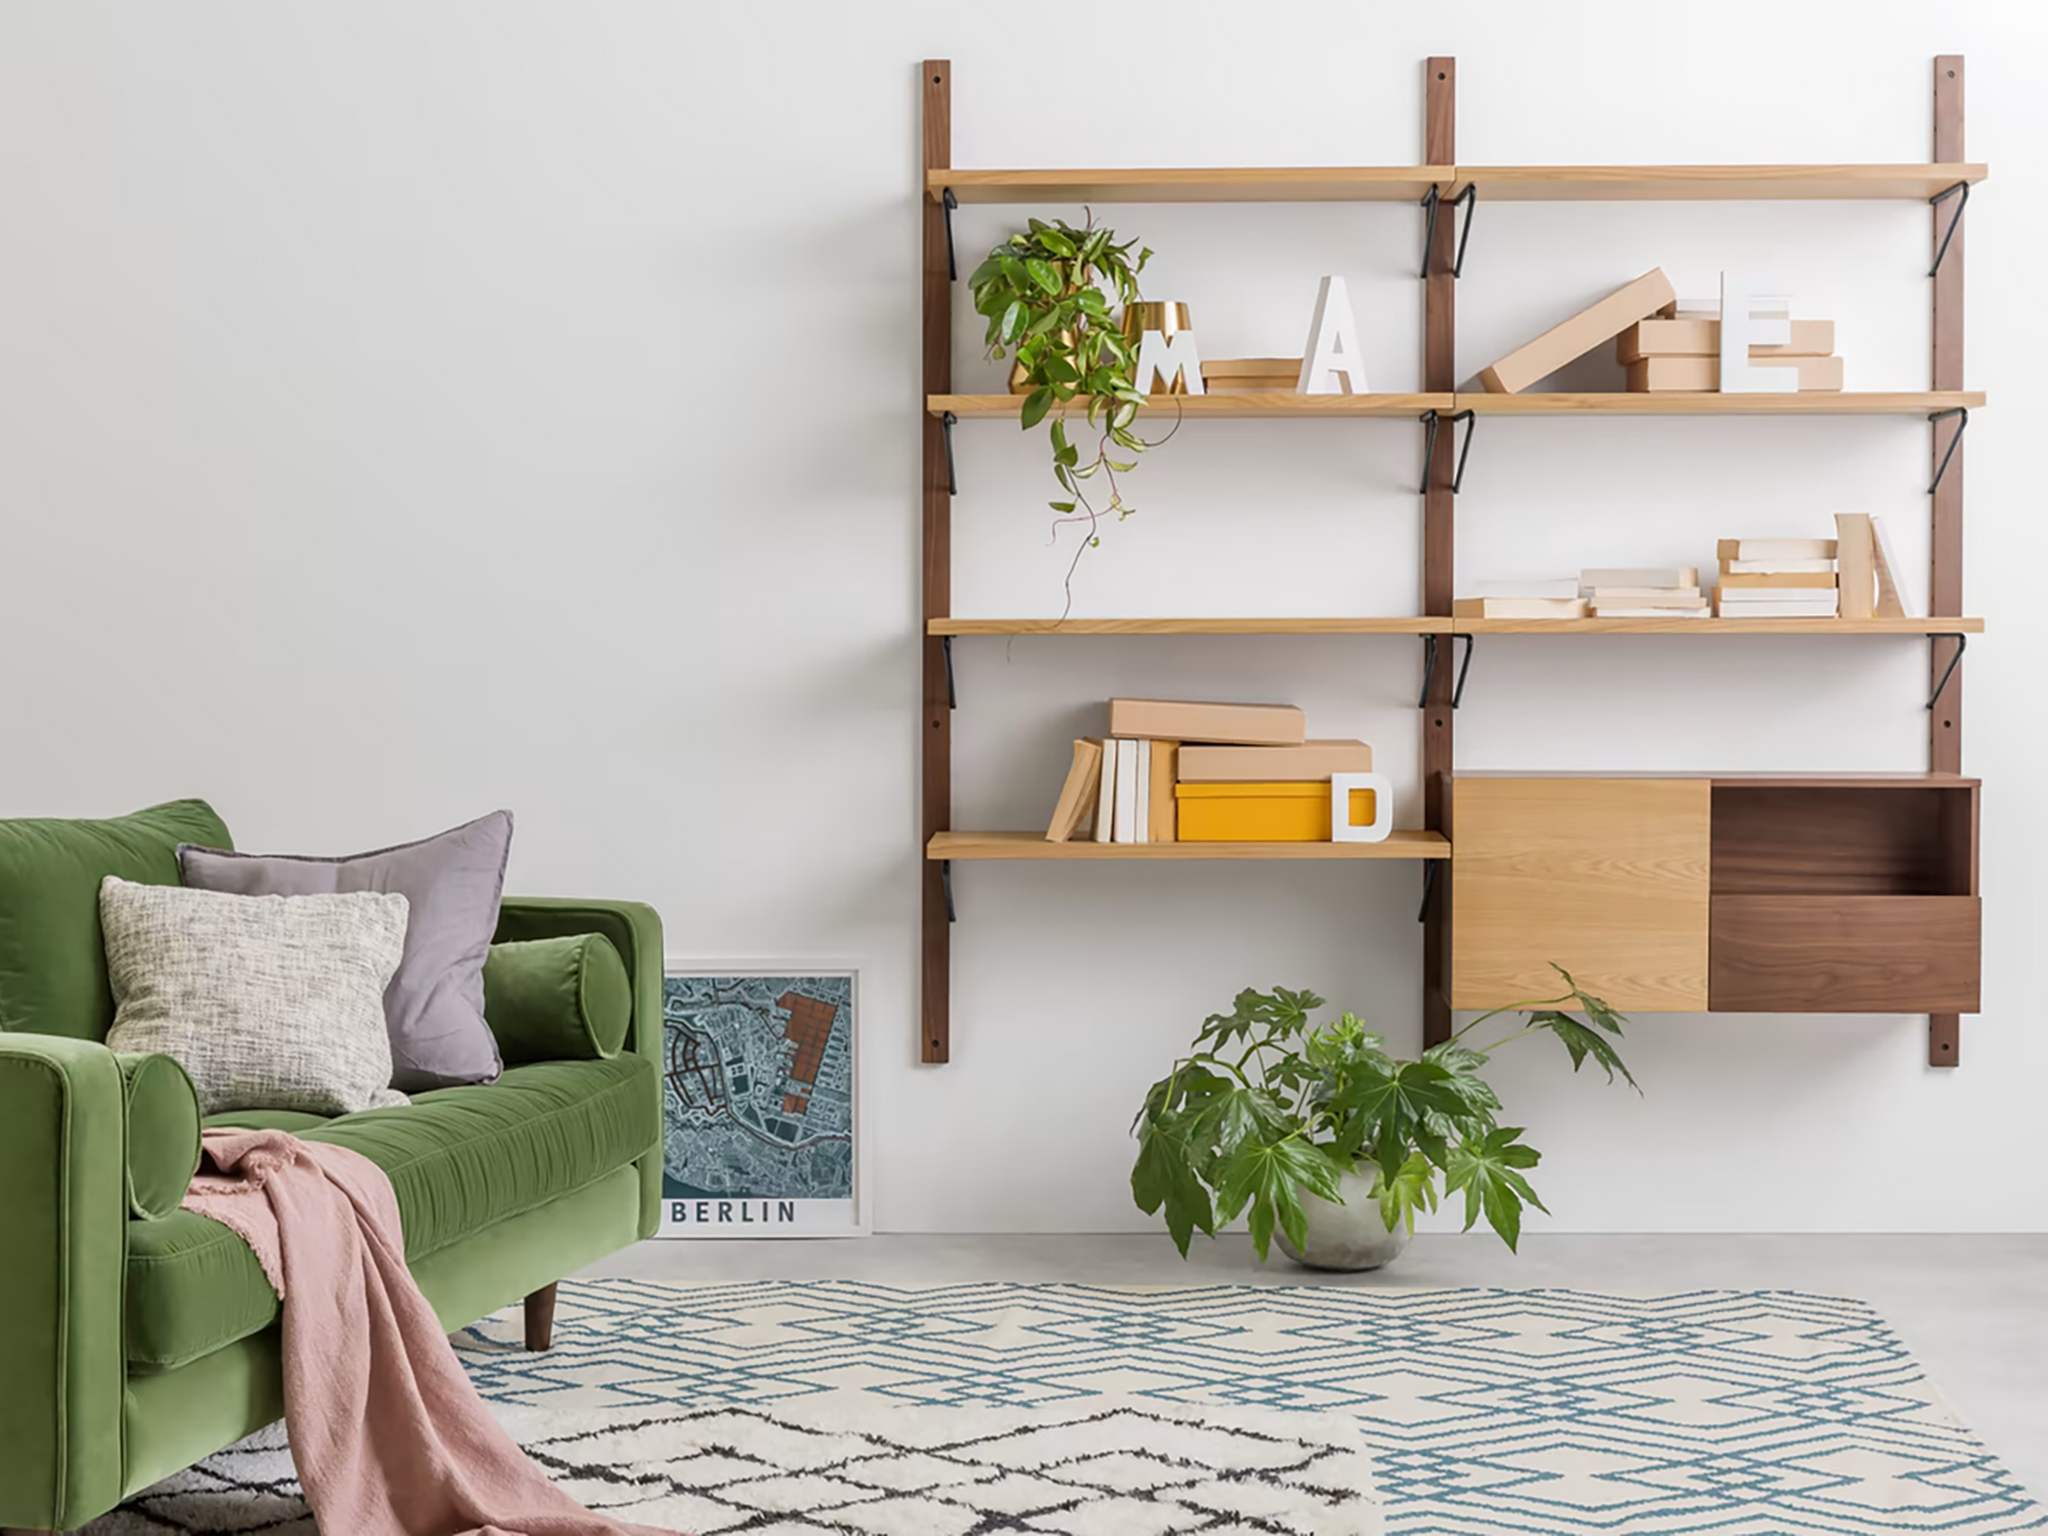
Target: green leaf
[(1036, 404), (1263, 1178), (1488, 1171), (1012, 321), (1055, 242), (1163, 1178), (1061, 506), (1408, 1188), (1043, 274), (1582, 1042)]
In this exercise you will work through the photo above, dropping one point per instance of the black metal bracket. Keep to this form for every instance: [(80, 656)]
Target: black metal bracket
[(952, 697), (946, 886), (1962, 643), (1432, 421), (1950, 234), (1432, 202), (948, 202), (1962, 413), (947, 421), (1428, 889), (1429, 657)]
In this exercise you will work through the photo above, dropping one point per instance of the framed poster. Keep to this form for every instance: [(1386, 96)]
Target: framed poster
[(760, 1087)]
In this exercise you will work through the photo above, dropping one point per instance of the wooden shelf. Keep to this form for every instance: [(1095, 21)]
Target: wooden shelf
[(1032, 845), (1427, 624), (1418, 625), (969, 407), (1496, 183), (1683, 183), (1220, 184), (1936, 626), (1689, 403)]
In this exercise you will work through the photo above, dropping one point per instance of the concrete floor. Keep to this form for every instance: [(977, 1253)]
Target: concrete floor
[(1974, 1310)]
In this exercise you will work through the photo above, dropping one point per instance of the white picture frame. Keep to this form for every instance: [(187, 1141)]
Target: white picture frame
[(734, 1086)]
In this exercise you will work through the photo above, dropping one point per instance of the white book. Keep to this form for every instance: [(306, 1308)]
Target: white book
[(1776, 567), (1640, 576), (1105, 796), (1732, 597), (1142, 833), (1127, 782), (1778, 611), (1890, 557), (1648, 597), (1561, 587), (1623, 611), (1776, 550)]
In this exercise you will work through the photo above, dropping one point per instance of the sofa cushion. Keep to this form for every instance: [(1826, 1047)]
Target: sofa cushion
[(53, 971), (459, 1159), (559, 999), (163, 1133)]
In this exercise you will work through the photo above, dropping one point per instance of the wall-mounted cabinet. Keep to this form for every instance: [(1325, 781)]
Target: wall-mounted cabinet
[(1730, 894)]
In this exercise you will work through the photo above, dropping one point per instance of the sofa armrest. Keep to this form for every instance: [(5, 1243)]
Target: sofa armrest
[(635, 931), (63, 1231)]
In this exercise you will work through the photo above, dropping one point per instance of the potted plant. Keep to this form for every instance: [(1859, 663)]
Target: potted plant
[(1043, 295), (1321, 1134)]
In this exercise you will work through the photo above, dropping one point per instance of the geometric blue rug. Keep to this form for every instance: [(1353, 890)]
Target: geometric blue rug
[(1735, 1413)]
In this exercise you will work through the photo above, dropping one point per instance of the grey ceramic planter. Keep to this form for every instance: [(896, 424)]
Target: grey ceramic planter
[(1348, 1236)]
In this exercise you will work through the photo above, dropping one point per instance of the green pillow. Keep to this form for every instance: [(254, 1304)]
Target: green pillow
[(163, 1133), (53, 971), (562, 999)]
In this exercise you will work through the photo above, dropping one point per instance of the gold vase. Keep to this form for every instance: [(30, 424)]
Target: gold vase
[(1165, 316)]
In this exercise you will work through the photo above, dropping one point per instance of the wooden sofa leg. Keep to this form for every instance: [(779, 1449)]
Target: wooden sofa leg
[(540, 1319)]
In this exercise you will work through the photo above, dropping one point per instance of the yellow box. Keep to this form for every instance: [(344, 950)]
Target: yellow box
[(1254, 813)]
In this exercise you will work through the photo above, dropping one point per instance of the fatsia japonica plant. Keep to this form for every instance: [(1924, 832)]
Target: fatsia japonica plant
[(1048, 295), (1268, 1105)]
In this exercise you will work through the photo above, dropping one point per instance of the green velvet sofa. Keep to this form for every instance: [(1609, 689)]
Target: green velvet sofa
[(132, 1347)]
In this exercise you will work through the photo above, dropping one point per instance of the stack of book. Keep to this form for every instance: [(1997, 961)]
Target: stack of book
[(1778, 579), (1659, 592), (1684, 354), (1170, 771)]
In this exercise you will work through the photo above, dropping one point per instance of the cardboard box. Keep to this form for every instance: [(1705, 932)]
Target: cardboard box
[(1657, 375), (1581, 334), (1702, 338)]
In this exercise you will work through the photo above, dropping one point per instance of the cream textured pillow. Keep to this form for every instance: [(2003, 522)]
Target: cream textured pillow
[(268, 1002)]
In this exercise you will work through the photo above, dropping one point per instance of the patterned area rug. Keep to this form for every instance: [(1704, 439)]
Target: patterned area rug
[(1484, 1412)]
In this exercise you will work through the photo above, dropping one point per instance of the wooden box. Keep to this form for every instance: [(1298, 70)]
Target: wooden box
[(1254, 813)]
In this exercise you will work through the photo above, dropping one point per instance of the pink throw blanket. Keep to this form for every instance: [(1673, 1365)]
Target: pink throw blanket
[(388, 1434)]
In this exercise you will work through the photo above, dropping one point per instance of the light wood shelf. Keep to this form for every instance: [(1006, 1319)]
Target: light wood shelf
[(1704, 403), (1417, 625), (1218, 184), (1496, 183), (1921, 627), (969, 407), (1683, 183), (1032, 845)]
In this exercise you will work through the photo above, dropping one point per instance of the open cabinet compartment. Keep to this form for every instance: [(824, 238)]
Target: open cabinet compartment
[(1844, 896)]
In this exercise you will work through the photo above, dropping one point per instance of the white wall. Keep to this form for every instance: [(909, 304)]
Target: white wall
[(411, 409)]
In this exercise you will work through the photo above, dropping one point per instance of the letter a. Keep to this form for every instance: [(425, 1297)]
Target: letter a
[(1332, 352)]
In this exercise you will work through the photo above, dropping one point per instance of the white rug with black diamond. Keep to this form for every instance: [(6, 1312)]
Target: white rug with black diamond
[(795, 1409)]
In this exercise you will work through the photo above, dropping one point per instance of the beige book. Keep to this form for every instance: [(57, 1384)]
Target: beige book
[(1775, 549), (1744, 597), (1580, 334), (1676, 594), (1786, 610), (1307, 763), (1165, 771), (1855, 565), (1519, 608), (1743, 580), (1077, 796), (1696, 375), (1688, 337), (1777, 567), (1105, 796), (1624, 610), (1640, 576), (1253, 725)]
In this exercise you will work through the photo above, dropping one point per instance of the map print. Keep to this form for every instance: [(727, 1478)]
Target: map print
[(759, 1089)]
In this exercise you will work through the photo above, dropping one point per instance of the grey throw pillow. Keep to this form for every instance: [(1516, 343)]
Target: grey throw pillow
[(435, 1006), (266, 1003)]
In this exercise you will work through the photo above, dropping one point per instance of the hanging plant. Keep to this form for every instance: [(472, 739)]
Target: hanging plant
[(1042, 293)]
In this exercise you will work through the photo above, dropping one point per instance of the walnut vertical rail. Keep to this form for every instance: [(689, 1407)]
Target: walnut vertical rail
[(1945, 587), (936, 725), (1439, 375)]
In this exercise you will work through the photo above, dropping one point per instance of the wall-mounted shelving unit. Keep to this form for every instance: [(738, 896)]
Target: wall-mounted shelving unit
[(1747, 929)]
